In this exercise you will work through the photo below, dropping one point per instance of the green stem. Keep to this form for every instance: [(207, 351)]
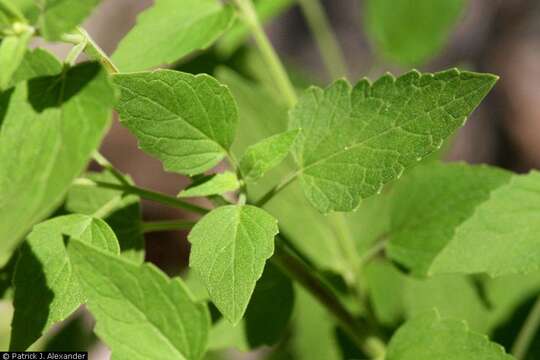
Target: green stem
[(295, 250), (275, 190), (317, 286), (527, 332), (267, 51), (91, 49), (107, 208), (166, 225), (74, 53), (326, 39), (372, 252), (106, 164), (72, 38), (145, 194), (94, 52)]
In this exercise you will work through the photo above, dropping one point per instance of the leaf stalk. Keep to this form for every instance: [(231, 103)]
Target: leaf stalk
[(91, 48), (275, 190), (106, 164), (166, 225), (325, 37), (267, 51), (75, 52), (358, 332), (145, 194)]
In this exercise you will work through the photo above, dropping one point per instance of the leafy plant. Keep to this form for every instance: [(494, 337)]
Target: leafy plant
[(359, 244)]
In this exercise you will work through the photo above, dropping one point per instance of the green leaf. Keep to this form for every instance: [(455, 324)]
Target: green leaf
[(382, 278), (36, 62), (28, 8), (230, 246), (216, 184), (314, 330), (52, 125), (56, 17), (453, 296), (355, 140), (121, 212), (273, 299), (196, 286), (429, 204), (270, 308), (430, 337), (501, 237), (266, 10), (10, 12), (266, 154), (4, 22), (12, 49), (46, 291), (170, 30), (140, 313), (410, 32), (186, 121)]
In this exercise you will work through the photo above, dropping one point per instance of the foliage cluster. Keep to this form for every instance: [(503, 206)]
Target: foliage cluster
[(335, 231)]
